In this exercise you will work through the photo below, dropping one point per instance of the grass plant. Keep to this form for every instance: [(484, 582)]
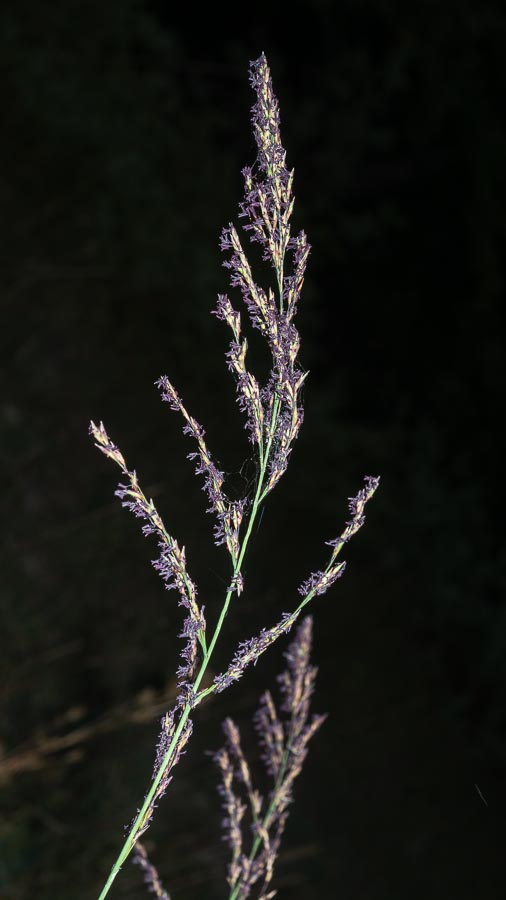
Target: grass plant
[(273, 415)]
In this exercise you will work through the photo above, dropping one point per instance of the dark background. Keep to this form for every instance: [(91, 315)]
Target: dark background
[(125, 127)]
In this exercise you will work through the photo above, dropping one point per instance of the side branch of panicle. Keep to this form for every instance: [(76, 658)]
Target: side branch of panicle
[(234, 811), (247, 387), (250, 651), (356, 506), (150, 873), (242, 769), (298, 680), (319, 582), (172, 561), (229, 513), (283, 738), (170, 564)]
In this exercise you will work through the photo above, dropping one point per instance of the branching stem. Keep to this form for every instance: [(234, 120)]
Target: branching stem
[(140, 820)]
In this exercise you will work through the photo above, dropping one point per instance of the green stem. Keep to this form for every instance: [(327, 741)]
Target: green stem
[(141, 817)]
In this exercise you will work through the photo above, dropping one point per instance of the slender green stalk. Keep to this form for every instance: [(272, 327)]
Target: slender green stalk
[(141, 817)]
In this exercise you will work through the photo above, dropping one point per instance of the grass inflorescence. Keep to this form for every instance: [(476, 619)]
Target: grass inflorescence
[(273, 415)]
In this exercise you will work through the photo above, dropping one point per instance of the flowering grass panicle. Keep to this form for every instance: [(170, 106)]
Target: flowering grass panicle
[(273, 416)]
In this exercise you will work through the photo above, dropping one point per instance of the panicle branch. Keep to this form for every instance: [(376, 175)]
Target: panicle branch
[(242, 770), (271, 734), (284, 746), (356, 506), (319, 582), (171, 563), (249, 651), (234, 811), (298, 680), (229, 513), (151, 876)]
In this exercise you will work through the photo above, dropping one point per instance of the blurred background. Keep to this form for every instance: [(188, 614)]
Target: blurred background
[(125, 127)]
